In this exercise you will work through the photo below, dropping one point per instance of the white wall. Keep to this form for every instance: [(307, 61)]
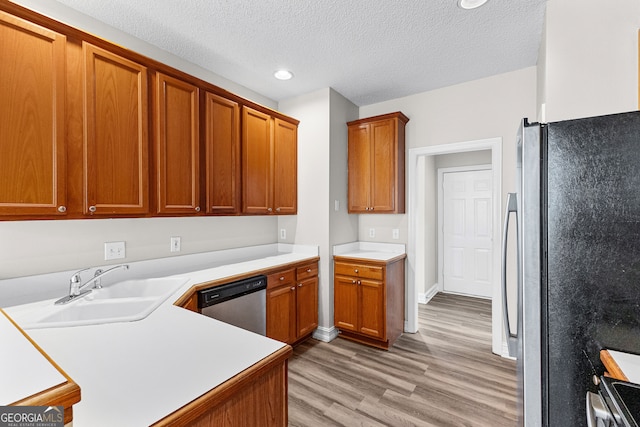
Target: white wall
[(322, 179), (590, 62), (35, 247), (481, 109), (311, 225)]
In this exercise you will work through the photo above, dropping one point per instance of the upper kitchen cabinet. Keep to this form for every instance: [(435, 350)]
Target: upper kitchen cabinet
[(269, 164), (116, 166), (32, 119), (176, 145), (222, 148), (376, 164), (285, 167)]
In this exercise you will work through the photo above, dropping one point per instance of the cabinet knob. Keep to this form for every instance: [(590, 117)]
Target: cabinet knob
[(277, 209), (308, 270), (281, 278), (62, 209), (293, 288), (270, 209), (197, 208), (359, 282), (299, 285), (92, 209), (356, 271), (353, 282)]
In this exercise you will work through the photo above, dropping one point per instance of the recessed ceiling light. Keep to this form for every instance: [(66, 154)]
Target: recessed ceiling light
[(283, 74), (470, 4)]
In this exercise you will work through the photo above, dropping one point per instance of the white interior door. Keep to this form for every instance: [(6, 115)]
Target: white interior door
[(467, 233)]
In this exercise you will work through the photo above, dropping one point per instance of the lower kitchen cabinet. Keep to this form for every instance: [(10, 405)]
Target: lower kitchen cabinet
[(292, 303), (369, 300)]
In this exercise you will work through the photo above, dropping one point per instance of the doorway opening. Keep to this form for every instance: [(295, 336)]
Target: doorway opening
[(465, 227), (421, 248)]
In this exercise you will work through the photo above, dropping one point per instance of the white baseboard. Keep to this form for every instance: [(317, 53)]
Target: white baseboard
[(325, 334), (424, 298)]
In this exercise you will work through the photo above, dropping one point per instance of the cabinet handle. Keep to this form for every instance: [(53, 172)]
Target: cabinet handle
[(92, 209), (197, 208), (62, 209)]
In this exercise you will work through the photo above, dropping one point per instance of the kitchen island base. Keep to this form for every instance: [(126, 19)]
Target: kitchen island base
[(254, 397)]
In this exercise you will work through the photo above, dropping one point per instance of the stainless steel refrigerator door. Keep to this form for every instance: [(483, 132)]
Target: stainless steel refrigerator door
[(530, 343)]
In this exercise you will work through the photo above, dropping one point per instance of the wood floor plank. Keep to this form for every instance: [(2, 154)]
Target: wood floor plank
[(443, 375)]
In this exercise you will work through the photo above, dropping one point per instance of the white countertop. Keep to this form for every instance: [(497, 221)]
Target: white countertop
[(370, 250), (30, 373), (136, 373), (629, 364)]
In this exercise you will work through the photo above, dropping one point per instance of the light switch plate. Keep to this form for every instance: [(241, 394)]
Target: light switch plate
[(114, 250), (372, 232), (395, 233), (175, 243)]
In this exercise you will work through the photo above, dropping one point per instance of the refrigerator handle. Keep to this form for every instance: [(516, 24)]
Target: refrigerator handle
[(512, 207)]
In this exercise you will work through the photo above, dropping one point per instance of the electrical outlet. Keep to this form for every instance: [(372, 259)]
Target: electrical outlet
[(372, 232), (336, 205), (395, 233), (283, 233), (114, 250), (175, 244)]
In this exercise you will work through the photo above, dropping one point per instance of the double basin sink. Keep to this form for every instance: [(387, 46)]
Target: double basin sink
[(124, 301)]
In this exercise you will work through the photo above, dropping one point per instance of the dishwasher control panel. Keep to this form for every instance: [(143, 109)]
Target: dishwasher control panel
[(228, 291)]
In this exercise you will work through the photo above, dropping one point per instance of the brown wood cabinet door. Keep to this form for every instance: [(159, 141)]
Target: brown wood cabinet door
[(177, 148), (345, 303), (372, 313), (222, 146), (257, 154), (307, 306), (32, 119), (383, 170), (359, 165), (285, 167), (116, 169), (281, 319)]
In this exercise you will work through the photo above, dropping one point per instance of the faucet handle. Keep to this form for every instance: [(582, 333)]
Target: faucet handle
[(75, 281)]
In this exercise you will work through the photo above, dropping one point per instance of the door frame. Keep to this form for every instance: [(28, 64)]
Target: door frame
[(416, 210), (440, 233)]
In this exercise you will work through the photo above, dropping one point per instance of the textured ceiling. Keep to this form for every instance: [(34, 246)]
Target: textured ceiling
[(368, 50)]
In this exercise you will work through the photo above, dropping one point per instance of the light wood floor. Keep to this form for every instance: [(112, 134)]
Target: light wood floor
[(444, 375)]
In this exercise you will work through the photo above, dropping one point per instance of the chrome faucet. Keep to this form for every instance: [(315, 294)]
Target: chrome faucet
[(76, 285)]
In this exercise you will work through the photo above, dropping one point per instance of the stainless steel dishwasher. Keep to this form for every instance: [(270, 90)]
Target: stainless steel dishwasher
[(242, 303)]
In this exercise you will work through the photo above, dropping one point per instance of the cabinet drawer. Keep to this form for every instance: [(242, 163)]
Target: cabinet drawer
[(306, 271), (285, 277), (358, 270)]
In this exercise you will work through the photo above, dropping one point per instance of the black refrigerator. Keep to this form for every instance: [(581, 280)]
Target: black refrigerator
[(576, 214)]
